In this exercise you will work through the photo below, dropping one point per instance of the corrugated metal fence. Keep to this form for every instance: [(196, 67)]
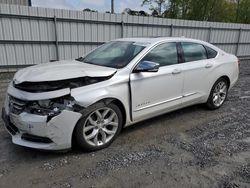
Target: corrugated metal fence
[(31, 35), (17, 2)]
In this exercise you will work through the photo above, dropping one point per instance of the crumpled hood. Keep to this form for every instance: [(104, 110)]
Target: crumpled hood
[(61, 70)]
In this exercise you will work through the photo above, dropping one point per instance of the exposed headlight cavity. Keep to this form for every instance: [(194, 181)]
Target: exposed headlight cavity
[(51, 107)]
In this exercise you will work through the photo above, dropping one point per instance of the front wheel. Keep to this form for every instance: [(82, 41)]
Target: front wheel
[(98, 128), (218, 94)]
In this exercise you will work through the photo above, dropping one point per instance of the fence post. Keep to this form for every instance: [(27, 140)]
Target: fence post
[(238, 42), (122, 29), (56, 39), (209, 34), (171, 30)]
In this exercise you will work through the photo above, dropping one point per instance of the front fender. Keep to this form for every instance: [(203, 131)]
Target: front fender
[(86, 96), (85, 99)]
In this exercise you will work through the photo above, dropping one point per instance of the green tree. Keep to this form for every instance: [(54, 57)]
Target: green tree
[(155, 5), (244, 12), (200, 10), (177, 9), (221, 11), (203, 10), (173, 9)]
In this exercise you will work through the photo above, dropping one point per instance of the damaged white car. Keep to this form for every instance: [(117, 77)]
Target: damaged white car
[(122, 82)]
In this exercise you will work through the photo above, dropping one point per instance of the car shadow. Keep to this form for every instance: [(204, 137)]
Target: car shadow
[(24, 153), (164, 117)]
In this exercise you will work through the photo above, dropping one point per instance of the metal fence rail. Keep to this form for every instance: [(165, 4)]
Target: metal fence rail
[(30, 35)]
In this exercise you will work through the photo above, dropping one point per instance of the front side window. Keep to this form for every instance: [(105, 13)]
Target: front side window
[(116, 54), (193, 51), (164, 54)]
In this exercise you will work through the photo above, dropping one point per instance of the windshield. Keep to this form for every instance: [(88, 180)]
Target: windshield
[(116, 54)]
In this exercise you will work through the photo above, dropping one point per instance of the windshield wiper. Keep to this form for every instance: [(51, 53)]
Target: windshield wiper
[(80, 59), (88, 62)]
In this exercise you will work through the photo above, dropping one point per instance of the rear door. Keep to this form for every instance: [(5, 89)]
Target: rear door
[(197, 70), (156, 92)]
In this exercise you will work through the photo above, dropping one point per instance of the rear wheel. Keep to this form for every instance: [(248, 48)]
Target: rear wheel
[(98, 128), (218, 94)]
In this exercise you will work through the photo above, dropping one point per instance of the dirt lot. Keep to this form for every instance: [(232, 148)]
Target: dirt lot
[(192, 147)]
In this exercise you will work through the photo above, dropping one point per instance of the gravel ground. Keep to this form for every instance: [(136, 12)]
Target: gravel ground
[(192, 147)]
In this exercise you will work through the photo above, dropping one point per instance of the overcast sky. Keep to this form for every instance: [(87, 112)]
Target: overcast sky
[(99, 5)]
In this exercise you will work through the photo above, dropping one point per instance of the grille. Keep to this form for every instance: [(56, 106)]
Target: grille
[(17, 106), (38, 139)]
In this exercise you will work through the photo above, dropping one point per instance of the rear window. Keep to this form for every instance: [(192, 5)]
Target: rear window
[(211, 53), (193, 51)]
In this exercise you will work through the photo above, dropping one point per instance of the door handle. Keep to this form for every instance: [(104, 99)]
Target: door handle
[(208, 65), (176, 71)]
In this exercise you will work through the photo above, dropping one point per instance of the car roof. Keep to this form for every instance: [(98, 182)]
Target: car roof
[(158, 39), (154, 40), (148, 39)]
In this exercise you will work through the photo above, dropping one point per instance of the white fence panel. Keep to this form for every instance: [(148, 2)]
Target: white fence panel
[(32, 35)]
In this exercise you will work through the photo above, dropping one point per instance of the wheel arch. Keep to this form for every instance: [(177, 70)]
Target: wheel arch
[(212, 84), (119, 104), (208, 101), (227, 79), (106, 101)]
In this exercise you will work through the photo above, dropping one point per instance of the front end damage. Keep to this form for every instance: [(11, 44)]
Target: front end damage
[(43, 115), (40, 123), (39, 110)]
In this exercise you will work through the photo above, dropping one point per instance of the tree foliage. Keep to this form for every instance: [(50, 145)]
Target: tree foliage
[(134, 12), (203, 10), (156, 6), (244, 11)]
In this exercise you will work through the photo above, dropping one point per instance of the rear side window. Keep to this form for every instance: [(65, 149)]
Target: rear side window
[(211, 53), (164, 54), (193, 51)]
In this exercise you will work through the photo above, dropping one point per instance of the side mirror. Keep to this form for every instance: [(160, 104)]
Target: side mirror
[(147, 66)]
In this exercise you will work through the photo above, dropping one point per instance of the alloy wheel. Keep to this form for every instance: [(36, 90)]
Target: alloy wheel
[(220, 93), (100, 126)]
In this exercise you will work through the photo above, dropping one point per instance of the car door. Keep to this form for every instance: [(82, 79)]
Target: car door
[(153, 93), (197, 71)]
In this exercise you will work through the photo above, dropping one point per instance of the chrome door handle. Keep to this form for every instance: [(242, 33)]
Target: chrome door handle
[(176, 71), (208, 65)]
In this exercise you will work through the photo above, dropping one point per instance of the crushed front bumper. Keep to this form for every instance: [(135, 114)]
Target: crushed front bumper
[(34, 131)]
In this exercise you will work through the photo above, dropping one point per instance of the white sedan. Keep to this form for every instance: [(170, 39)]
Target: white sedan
[(122, 82)]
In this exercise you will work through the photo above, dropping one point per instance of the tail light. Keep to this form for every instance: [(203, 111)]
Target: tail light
[(238, 61)]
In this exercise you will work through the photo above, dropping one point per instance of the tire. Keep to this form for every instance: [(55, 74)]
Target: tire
[(98, 127), (218, 94)]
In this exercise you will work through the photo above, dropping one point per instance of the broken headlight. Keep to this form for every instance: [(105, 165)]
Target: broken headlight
[(44, 103), (51, 107)]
